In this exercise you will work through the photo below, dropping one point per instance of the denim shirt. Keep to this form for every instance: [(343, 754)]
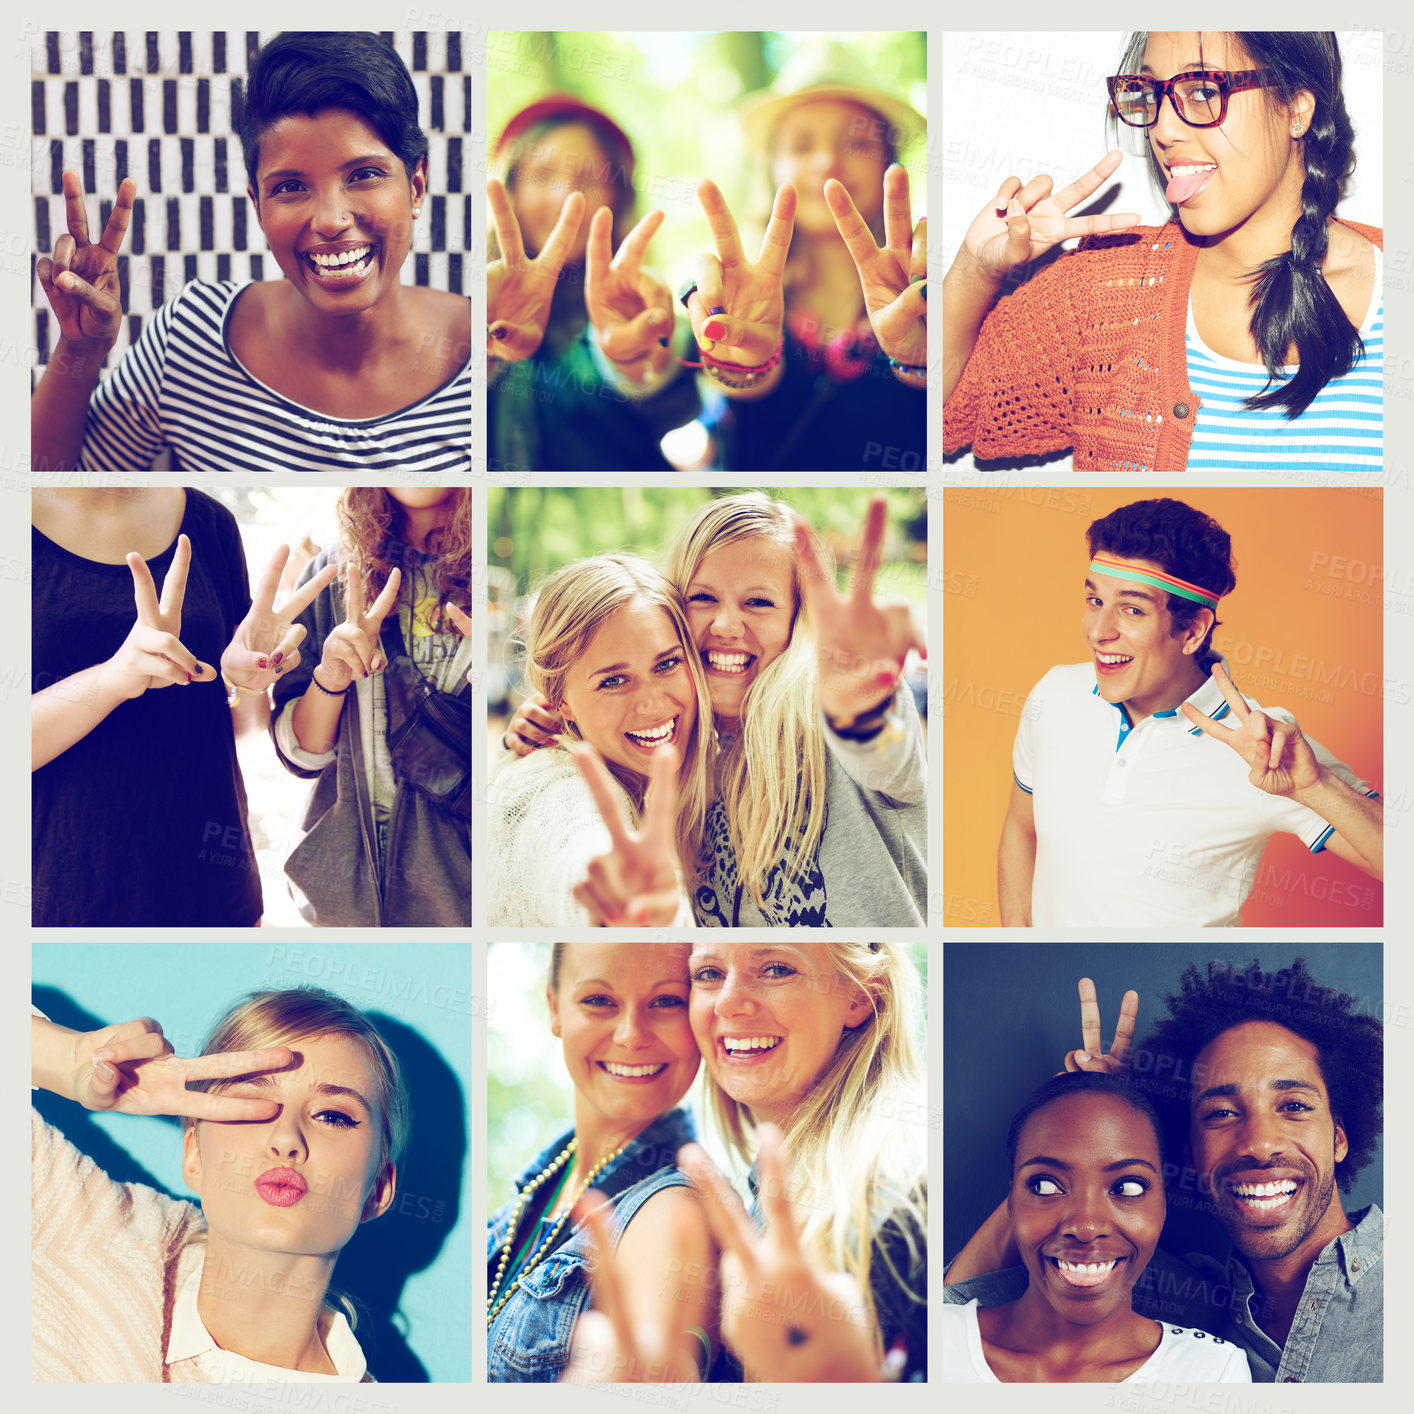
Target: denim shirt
[(530, 1338), (1337, 1336)]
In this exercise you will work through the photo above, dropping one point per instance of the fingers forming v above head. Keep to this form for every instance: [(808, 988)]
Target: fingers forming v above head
[(1124, 1028)]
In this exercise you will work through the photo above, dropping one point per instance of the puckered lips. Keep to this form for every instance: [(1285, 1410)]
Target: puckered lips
[(1263, 1197), (648, 739), (281, 1187), (339, 265), (632, 1072), (1085, 1271), (747, 1048)]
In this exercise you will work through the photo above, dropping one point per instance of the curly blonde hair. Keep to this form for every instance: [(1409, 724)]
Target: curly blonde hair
[(372, 535)]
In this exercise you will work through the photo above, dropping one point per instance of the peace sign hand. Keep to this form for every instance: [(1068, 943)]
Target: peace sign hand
[(153, 655), (351, 650), (894, 275), (1034, 220), (131, 1068), (785, 1317), (631, 310), (81, 281), (862, 645), (749, 330), (266, 642), (636, 884), (1281, 758), (519, 288), (1091, 1056)]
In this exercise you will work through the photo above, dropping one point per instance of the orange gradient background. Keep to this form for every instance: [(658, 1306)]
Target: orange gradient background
[(1302, 630)]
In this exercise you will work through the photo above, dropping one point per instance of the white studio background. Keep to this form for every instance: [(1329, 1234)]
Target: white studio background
[(1019, 104)]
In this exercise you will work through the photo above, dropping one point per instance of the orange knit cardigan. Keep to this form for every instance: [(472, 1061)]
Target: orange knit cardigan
[(1090, 355)]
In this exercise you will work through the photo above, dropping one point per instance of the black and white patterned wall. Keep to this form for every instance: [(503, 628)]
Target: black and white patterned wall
[(156, 106)]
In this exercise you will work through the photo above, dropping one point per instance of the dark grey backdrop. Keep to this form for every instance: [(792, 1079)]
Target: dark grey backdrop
[(1010, 1013)]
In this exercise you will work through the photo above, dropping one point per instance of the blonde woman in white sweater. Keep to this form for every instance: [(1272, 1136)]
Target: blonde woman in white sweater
[(291, 1141)]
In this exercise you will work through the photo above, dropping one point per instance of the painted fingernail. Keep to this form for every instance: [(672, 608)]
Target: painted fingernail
[(715, 329), (1001, 210), (885, 677), (717, 309), (925, 294), (262, 663), (278, 658), (189, 679), (663, 342), (498, 332)]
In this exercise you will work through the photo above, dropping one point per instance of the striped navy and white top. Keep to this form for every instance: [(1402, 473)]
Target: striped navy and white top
[(182, 387), (1343, 429)]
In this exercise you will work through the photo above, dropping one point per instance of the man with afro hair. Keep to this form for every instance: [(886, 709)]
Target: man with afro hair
[(1145, 785)]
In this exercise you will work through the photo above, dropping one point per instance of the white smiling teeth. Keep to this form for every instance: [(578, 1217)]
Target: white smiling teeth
[(727, 662), (654, 736), (1113, 658), (1264, 1196), (1192, 171), (1087, 1268), (634, 1072), (340, 258), (742, 1044)]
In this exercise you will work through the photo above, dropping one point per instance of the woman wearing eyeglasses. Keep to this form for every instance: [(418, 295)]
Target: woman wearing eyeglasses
[(1248, 332)]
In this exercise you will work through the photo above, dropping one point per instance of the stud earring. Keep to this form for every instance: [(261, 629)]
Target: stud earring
[(1296, 130)]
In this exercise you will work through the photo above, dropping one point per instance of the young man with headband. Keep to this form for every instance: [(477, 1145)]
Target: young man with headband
[(1145, 785)]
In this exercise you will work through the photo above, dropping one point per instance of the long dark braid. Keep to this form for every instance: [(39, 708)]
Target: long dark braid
[(1290, 300)]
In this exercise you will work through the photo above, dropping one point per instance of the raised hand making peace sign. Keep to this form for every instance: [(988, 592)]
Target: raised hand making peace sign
[(1092, 1056), (519, 288), (783, 1315), (636, 884), (153, 654), (81, 281), (351, 650), (630, 308), (266, 642), (1026, 221), (750, 296), (894, 275), (1281, 758), (862, 645)]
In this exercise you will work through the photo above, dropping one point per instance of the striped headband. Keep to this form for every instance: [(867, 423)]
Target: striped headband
[(1128, 569)]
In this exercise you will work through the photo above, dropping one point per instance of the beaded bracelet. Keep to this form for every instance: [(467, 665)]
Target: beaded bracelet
[(914, 370), (739, 376), (329, 691)]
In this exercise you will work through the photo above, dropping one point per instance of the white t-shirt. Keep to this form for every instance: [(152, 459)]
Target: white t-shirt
[(1184, 1356), (1152, 826)]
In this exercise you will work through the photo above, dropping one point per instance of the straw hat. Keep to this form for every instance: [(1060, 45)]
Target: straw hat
[(825, 69)]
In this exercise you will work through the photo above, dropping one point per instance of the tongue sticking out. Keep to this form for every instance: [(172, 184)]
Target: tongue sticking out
[(1181, 189)]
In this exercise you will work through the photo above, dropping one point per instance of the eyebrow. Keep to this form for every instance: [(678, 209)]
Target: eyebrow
[(604, 982), (1108, 1168), (757, 951), (352, 162), (266, 1082), (1125, 593), (1189, 66), (1218, 1092), (619, 667)]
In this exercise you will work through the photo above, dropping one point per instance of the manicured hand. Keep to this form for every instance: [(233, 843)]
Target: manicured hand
[(784, 1316), (351, 650), (519, 288), (535, 724), (894, 275), (1280, 757), (153, 654), (130, 1068), (462, 622), (1026, 221), (630, 308), (266, 642), (862, 645), (636, 884), (751, 296), (81, 281), (1092, 1056)]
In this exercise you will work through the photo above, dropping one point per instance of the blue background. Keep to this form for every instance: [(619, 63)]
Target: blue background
[(410, 1271)]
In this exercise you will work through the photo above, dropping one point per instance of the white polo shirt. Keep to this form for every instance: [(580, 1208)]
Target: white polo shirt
[(1150, 826)]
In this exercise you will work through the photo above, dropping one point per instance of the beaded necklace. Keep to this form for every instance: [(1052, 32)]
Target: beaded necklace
[(523, 1200)]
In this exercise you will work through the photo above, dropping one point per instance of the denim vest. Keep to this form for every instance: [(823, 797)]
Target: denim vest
[(530, 1337)]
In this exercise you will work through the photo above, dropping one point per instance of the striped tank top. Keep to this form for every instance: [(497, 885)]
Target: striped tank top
[(1342, 430)]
